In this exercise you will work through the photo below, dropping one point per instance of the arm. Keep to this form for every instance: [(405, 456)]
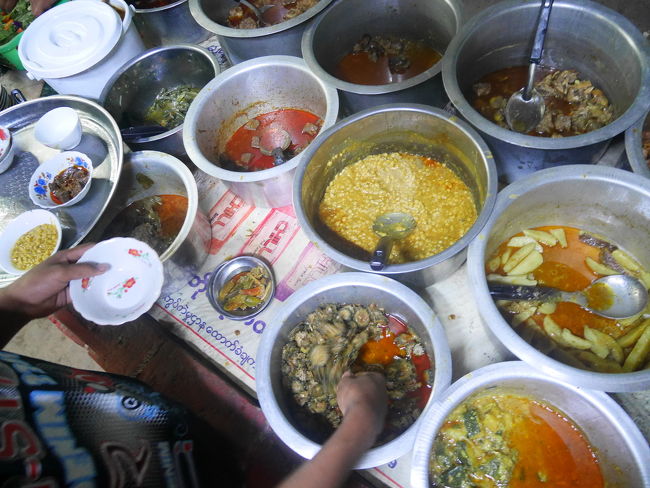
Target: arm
[(38, 6), (42, 290), (363, 401)]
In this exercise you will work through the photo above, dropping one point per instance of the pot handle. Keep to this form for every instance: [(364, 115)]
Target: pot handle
[(18, 96)]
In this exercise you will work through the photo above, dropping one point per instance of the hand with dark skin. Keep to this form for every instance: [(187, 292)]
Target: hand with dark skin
[(38, 6), (43, 289), (363, 401)]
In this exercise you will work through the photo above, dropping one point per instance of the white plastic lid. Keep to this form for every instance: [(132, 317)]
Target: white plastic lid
[(69, 39)]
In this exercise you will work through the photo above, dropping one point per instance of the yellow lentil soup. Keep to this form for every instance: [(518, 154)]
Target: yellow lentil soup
[(432, 193), (34, 247)]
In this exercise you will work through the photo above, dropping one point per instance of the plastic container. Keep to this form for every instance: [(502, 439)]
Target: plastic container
[(77, 47), (9, 50)]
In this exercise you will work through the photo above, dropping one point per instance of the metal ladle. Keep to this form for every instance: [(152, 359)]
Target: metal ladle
[(627, 295), (259, 12), (525, 108), (390, 227)]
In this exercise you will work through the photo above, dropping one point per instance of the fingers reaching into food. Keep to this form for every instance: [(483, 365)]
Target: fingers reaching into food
[(364, 394)]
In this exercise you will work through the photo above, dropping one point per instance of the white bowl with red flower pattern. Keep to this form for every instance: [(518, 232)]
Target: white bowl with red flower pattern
[(124, 292), (7, 149)]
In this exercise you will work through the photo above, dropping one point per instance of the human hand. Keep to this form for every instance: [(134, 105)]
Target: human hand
[(40, 6), (363, 395), (7, 5), (44, 288)]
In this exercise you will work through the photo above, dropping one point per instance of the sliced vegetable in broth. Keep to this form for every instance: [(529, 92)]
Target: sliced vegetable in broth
[(502, 439)]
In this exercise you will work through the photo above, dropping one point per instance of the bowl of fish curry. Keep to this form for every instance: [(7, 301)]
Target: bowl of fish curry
[(507, 424), (357, 322), (397, 158), (564, 228)]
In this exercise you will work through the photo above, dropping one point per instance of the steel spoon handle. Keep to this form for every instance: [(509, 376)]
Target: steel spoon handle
[(381, 253), (540, 32), (519, 292)]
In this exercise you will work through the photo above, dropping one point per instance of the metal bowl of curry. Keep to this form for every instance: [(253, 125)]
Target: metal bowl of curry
[(587, 44), (532, 429), (600, 218), (363, 296), (637, 146), (397, 158)]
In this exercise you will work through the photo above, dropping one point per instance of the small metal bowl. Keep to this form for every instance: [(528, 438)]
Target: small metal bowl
[(224, 272)]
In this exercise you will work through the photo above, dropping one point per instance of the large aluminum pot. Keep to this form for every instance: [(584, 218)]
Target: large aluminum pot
[(333, 34), (633, 146), (622, 451), (417, 129), (170, 24), (610, 202), (149, 173), (244, 91), (364, 289), (243, 44), (133, 88), (601, 44)]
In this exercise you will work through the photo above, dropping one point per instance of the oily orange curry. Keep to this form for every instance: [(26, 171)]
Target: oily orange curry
[(500, 439)]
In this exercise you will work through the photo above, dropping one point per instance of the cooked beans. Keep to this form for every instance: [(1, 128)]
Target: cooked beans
[(34, 246), (433, 194)]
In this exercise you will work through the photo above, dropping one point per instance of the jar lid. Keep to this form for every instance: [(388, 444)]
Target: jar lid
[(69, 39)]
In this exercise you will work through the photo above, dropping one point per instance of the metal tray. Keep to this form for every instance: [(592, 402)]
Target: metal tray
[(101, 141)]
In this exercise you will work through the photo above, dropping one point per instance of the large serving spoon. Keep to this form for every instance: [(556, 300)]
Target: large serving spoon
[(390, 227), (525, 108), (614, 297), (259, 12)]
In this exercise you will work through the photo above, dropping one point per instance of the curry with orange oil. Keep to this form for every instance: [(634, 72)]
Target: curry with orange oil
[(570, 259), (503, 439)]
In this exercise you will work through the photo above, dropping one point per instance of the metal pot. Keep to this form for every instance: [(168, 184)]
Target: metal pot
[(171, 24), (243, 44), (361, 288), (634, 143), (622, 451), (601, 44), (131, 91), (417, 129), (610, 202), (244, 91), (168, 176), (333, 34)]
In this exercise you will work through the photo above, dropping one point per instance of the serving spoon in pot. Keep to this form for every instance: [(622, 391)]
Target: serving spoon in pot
[(614, 297), (259, 12), (390, 227), (525, 108)]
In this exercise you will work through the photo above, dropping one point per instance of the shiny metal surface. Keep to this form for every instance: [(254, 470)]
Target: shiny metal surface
[(243, 44), (601, 44), (606, 201), (418, 129), (621, 449), (244, 91), (227, 270), (361, 288), (633, 146), (101, 141), (189, 249), (133, 88), (333, 34), (171, 24)]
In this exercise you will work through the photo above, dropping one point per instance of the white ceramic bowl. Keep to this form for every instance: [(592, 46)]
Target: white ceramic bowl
[(7, 149), (59, 128), (39, 184), (124, 292), (22, 224)]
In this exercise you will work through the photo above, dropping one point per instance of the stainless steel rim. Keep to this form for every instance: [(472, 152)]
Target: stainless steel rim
[(471, 382), (395, 269), (186, 47), (618, 382), (308, 55), (281, 426), (157, 9), (222, 30), (204, 96), (628, 31), (633, 143)]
